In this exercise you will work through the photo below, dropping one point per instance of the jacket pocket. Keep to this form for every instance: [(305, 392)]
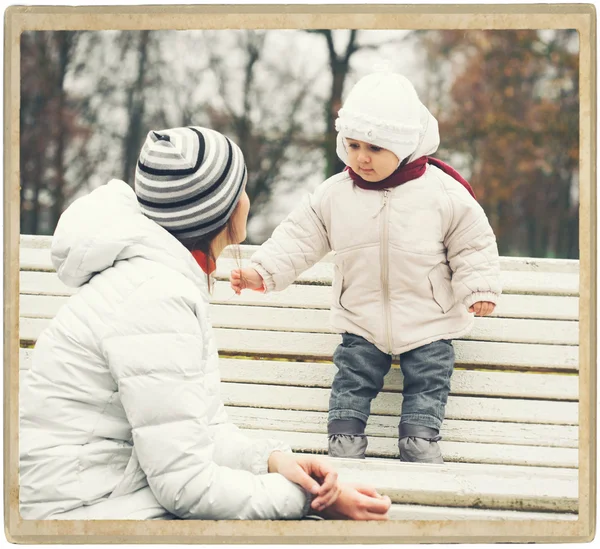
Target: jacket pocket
[(338, 283), (441, 286)]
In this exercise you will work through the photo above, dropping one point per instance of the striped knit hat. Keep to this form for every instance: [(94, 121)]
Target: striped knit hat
[(189, 180)]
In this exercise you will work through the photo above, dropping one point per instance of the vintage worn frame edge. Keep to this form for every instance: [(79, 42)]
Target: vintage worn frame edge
[(583, 17)]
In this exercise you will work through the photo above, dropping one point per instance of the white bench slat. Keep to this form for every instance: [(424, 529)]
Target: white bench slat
[(40, 283), (472, 485), (389, 404), (454, 430), (306, 320), (47, 286), (319, 297), (321, 346), (464, 382), (453, 452), (458, 484), (40, 242), (405, 511), (551, 332), (513, 282)]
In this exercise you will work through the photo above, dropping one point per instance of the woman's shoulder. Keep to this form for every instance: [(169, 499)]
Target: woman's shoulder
[(164, 283), (152, 286)]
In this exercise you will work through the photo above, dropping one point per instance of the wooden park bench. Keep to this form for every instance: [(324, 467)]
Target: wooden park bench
[(510, 439)]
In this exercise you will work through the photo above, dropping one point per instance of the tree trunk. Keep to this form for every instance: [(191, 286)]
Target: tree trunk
[(339, 66), (65, 40), (339, 70), (135, 109)]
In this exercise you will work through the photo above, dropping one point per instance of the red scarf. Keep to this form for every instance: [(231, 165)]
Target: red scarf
[(408, 172), (202, 260)]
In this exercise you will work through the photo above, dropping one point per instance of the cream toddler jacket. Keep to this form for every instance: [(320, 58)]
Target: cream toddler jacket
[(409, 261)]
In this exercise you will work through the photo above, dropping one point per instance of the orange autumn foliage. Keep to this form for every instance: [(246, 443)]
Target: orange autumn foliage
[(512, 114)]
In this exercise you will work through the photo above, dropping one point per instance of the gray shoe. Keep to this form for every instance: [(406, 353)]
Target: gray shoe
[(419, 450), (418, 444), (347, 438), (348, 446)]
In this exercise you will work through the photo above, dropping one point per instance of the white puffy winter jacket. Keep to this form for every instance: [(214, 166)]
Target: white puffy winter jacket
[(409, 261), (121, 416)]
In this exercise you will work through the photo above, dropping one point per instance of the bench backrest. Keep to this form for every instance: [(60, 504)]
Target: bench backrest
[(514, 392)]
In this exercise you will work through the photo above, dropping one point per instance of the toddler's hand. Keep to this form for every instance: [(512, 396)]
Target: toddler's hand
[(482, 308), (242, 279)]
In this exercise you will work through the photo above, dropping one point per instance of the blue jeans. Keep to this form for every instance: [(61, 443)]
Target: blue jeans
[(362, 367)]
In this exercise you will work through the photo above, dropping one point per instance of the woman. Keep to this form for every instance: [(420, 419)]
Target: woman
[(121, 416)]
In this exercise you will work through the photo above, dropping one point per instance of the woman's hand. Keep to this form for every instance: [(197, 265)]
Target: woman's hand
[(313, 474), (247, 278), (358, 502), (482, 308)]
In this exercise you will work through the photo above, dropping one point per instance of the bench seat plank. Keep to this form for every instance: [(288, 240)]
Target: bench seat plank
[(464, 382), (512, 356), (404, 511), (536, 264), (552, 332), (321, 347), (460, 484), (472, 485), (318, 297), (389, 404), (453, 452), (454, 430), (513, 282)]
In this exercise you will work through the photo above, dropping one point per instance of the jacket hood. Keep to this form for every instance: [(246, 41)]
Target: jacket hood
[(429, 135), (108, 225)]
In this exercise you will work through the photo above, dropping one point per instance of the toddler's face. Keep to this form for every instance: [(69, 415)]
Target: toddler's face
[(372, 163)]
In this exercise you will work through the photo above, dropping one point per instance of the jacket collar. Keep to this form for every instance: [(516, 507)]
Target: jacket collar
[(408, 172)]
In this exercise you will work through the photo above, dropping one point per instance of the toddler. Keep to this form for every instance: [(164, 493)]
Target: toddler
[(415, 260)]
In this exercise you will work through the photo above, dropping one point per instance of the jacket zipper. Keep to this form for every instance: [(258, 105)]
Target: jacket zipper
[(385, 229)]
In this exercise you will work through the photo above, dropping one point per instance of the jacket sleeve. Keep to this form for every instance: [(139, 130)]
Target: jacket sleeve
[(153, 352), (295, 245), (236, 450), (472, 250)]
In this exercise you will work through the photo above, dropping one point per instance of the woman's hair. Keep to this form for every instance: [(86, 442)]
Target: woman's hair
[(203, 244)]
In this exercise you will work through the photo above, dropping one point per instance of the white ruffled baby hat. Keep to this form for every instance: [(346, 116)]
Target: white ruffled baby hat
[(383, 109)]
